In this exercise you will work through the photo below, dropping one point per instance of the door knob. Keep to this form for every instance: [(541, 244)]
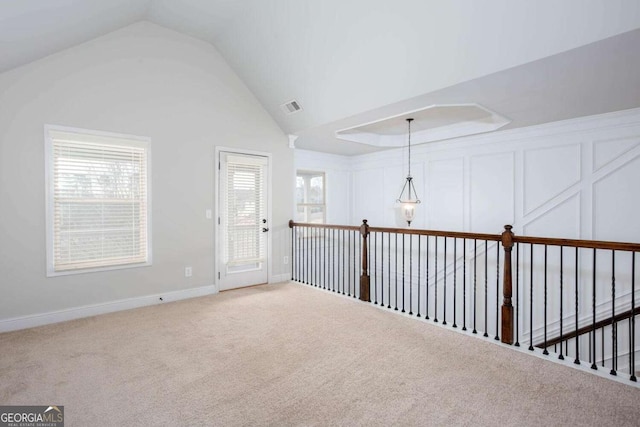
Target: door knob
[(264, 230)]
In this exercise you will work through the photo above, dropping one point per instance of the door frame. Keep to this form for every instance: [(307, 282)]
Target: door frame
[(217, 240)]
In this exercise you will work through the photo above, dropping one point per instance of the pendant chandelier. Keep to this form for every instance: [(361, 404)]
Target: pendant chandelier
[(408, 198)]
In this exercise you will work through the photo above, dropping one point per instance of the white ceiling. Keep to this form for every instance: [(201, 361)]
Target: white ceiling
[(350, 62)]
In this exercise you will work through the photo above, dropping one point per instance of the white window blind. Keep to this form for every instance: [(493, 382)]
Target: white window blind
[(245, 202), (98, 201)]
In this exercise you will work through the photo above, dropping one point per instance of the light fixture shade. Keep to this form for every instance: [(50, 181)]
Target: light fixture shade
[(408, 210), (408, 198)]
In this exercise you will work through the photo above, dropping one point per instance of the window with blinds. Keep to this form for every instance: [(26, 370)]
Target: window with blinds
[(98, 201), (245, 210), (310, 197)]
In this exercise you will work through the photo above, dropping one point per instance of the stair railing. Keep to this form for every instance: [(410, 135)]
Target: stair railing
[(556, 293)]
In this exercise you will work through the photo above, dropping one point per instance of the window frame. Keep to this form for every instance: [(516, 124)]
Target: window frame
[(324, 192), (49, 199)]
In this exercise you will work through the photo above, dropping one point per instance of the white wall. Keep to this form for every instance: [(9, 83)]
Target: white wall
[(574, 179), (337, 171), (141, 80)]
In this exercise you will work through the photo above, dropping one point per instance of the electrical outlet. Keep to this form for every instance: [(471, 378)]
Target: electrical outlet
[(188, 272), (208, 213), (286, 260)]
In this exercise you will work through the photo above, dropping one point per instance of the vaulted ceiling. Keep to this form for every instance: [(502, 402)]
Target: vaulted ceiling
[(352, 62)]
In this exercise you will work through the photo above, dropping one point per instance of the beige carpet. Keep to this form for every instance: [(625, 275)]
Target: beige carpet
[(283, 355)]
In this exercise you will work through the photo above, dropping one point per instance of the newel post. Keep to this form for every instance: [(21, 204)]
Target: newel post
[(364, 278), (507, 307)]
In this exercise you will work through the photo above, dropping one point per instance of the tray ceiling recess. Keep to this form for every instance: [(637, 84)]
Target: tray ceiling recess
[(433, 123)]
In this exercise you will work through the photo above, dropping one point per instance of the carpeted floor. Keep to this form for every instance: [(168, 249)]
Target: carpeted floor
[(287, 355)]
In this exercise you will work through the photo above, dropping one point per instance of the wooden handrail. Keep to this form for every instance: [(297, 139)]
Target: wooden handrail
[(588, 328), (327, 226), (453, 234), (550, 241), (576, 243)]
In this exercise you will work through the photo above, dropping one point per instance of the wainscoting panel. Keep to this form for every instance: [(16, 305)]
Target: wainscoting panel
[(445, 194), (604, 152), (560, 167), (616, 217), (491, 192), (561, 220)]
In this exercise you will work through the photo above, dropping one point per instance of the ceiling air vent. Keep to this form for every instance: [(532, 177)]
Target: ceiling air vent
[(291, 107)]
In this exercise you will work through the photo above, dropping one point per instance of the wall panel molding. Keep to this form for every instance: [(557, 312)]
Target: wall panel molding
[(565, 160)]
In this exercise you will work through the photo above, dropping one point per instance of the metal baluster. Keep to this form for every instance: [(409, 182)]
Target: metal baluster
[(426, 288), (464, 284), (403, 252), (396, 265), (294, 254), (455, 273), (497, 337), (614, 324), (593, 304), (389, 273), (561, 357), (545, 352), (333, 260), (475, 280), (343, 261), (419, 252), (486, 288), (307, 256), (293, 264), (577, 359), (531, 298), (323, 257), (358, 264), (435, 268), (444, 297), (375, 268), (632, 339), (350, 262), (314, 252), (592, 338), (382, 269), (326, 258), (602, 344), (410, 274), (299, 253), (517, 344)]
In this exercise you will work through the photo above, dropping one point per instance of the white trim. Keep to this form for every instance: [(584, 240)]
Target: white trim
[(280, 278), (217, 213), (24, 322), (49, 190)]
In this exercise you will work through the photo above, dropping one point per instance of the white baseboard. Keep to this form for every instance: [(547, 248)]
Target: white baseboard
[(24, 322), (279, 278)]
